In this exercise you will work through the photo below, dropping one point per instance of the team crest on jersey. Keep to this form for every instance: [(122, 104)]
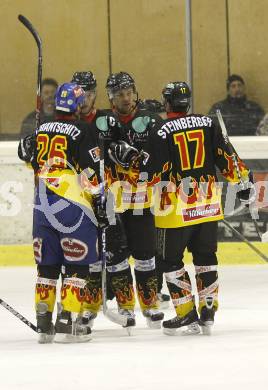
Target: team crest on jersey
[(73, 249), (95, 154), (37, 248)]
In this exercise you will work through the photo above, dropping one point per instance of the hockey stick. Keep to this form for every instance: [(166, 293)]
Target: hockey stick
[(235, 161), (253, 247), (111, 315), (18, 315), (38, 41)]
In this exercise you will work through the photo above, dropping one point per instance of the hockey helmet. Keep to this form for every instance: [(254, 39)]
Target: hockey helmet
[(178, 95), (118, 81), (68, 97), (86, 80), (151, 105)]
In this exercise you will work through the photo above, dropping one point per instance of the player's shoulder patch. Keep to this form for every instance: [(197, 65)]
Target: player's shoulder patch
[(140, 123), (95, 154)]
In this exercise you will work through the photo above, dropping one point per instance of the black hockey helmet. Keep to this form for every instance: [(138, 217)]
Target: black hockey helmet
[(178, 95), (151, 105), (118, 81), (86, 80)]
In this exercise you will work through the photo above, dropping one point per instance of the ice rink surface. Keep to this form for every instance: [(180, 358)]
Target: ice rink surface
[(233, 357)]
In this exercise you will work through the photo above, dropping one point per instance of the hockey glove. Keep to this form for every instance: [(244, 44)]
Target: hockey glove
[(247, 193), (27, 148), (100, 211), (123, 154)]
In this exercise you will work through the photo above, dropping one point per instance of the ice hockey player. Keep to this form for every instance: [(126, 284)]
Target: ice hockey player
[(133, 203), (64, 155), (156, 106), (116, 244), (186, 150)]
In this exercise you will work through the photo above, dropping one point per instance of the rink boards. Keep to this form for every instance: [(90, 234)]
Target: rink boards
[(228, 253)]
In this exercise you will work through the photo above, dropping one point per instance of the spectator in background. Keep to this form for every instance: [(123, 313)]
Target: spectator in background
[(47, 113), (241, 115)]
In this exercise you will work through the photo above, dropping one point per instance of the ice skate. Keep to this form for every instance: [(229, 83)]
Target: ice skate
[(163, 300), (45, 327), (131, 321), (207, 316), (190, 320), (69, 329), (87, 318), (153, 317)]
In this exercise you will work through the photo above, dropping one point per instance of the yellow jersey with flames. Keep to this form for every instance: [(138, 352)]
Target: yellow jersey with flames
[(130, 187), (66, 160), (183, 155)]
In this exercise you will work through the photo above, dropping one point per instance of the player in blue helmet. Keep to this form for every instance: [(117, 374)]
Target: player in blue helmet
[(65, 160)]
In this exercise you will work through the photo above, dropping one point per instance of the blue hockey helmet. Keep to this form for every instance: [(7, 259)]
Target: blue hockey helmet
[(68, 97)]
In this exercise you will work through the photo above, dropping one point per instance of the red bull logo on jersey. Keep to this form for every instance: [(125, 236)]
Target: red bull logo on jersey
[(73, 249), (37, 248), (199, 212)]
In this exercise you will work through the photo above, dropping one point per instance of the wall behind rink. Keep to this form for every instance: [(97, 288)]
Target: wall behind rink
[(147, 39), (16, 197)]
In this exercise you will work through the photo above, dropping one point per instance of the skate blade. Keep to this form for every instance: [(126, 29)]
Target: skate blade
[(153, 324), (129, 330), (63, 338), (207, 329), (44, 338), (191, 329), (170, 332)]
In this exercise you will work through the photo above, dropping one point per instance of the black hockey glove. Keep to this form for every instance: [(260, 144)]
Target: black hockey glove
[(123, 154), (247, 193), (27, 148), (100, 211)]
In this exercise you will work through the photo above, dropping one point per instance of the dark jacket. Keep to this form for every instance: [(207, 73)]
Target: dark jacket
[(241, 116)]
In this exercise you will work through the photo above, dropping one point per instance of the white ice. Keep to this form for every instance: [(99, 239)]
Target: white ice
[(233, 357)]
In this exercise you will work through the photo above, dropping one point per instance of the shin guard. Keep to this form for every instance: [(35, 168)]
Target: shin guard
[(180, 289), (93, 293), (207, 285), (121, 284), (73, 294), (45, 292), (146, 283)]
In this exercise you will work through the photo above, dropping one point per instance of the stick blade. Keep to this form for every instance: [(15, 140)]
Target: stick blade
[(26, 22)]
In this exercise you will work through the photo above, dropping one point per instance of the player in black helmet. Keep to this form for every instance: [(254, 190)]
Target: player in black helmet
[(178, 95), (186, 150), (88, 82), (133, 201), (115, 235)]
